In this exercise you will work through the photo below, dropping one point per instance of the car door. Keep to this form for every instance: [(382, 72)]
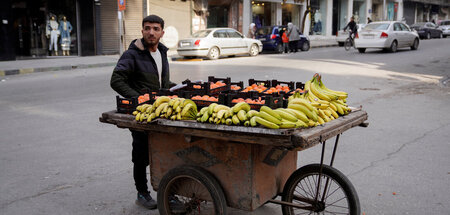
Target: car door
[(221, 39), (399, 34), (409, 36), (237, 44)]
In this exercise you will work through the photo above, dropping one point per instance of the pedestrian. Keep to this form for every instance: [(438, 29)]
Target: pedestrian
[(251, 31), (285, 40), (143, 66), (368, 20), (294, 37)]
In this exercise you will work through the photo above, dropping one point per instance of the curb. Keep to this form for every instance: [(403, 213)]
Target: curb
[(48, 69)]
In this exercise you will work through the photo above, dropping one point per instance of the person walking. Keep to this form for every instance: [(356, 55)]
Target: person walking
[(144, 66), (251, 31), (285, 40), (294, 37)]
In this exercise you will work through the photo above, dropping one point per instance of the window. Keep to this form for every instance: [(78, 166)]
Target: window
[(377, 26), (404, 27), (397, 27), (201, 34), (233, 34), (220, 34)]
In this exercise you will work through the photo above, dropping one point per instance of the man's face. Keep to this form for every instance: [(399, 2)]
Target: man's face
[(152, 33)]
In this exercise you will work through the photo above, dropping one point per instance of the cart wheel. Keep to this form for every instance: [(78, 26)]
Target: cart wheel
[(336, 193), (190, 190)]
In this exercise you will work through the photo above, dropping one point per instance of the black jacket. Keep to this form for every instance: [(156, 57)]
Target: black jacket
[(352, 26), (136, 71)]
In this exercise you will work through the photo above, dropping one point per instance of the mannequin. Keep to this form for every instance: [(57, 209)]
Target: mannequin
[(318, 22), (53, 33), (356, 17), (65, 28)]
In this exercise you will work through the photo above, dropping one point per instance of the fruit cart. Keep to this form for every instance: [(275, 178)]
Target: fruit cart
[(199, 168)]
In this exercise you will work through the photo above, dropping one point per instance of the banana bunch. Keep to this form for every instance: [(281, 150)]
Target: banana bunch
[(165, 107), (328, 104), (239, 114)]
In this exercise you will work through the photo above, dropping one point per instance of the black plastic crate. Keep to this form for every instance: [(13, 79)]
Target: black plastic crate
[(266, 83), (239, 84), (200, 103), (269, 100), (205, 88), (128, 105)]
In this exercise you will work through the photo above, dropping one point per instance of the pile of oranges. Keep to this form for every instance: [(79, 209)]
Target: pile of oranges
[(212, 85), (254, 87), (249, 101), (278, 89), (143, 98), (171, 97), (298, 90), (205, 98), (235, 87)]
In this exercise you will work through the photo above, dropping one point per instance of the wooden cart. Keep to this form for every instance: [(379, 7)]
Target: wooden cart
[(200, 168)]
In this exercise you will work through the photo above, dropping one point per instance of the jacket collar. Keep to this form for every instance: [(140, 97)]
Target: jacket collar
[(139, 44)]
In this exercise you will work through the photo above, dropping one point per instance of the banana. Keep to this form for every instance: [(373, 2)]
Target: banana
[(221, 113), (235, 119), (317, 93), (300, 115), (174, 117), (211, 108), (203, 110), (321, 114), (326, 118), (160, 108), (178, 109), (217, 108), (301, 124), (149, 109), (266, 123), (169, 111), (303, 102), (186, 110), (310, 114), (141, 118), (217, 121), (161, 100), (171, 102), (311, 123), (287, 124), (270, 112), (165, 109), (247, 123), (138, 116), (332, 106), (228, 113), (242, 115), (285, 115), (269, 118), (188, 101), (179, 116), (241, 106), (320, 120), (327, 112), (333, 113), (223, 120), (251, 113), (228, 121), (211, 120), (253, 121), (205, 116), (176, 103), (338, 107), (135, 112)]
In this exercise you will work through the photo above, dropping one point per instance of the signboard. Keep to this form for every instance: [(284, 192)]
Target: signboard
[(122, 4)]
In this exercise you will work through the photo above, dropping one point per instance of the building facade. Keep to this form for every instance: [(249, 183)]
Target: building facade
[(98, 28)]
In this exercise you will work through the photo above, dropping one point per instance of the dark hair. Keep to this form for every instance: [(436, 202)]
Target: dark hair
[(153, 19)]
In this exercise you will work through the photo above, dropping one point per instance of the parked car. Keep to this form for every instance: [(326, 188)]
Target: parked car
[(341, 36), (427, 30), (271, 38), (216, 42), (386, 35), (444, 25)]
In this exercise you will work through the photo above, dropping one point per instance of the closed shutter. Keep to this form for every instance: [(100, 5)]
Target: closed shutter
[(133, 21), (110, 27)]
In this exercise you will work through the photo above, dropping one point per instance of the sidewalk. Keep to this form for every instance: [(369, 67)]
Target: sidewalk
[(57, 63)]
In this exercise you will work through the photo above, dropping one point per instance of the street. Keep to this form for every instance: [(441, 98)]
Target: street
[(57, 158)]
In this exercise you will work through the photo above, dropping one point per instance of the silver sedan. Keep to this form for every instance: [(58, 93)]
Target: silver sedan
[(386, 35), (216, 42)]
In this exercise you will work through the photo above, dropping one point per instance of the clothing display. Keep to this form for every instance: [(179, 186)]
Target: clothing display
[(53, 33), (318, 27), (65, 28)]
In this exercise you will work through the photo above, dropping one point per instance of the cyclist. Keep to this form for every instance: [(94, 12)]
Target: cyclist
[(353, 29)]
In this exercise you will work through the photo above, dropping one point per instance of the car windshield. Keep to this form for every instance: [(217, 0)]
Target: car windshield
[(201, 34), (420, 24), (264, 31), (377, 26)]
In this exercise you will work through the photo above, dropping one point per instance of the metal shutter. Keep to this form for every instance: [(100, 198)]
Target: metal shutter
[(110, 27)]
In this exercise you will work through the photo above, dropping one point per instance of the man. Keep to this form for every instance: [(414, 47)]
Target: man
[(293, 36), (352, 26), (143, 66), (368, 20)]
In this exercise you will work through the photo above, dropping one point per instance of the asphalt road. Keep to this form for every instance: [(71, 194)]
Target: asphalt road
[(56, 158)]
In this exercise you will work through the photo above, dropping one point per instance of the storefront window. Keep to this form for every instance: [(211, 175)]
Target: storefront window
[(261, 13), (392, 8), (359, 11), (290, 13), (42, 27), (318, 17)]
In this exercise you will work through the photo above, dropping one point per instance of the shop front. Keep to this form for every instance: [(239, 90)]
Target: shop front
[(318, 17), (41, 28), (269, 13), (359, 11)]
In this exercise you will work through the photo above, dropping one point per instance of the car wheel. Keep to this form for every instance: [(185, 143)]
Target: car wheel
[(214, 53), (254, 50), (305, 46), (280, 48), (393, 47), (415, 44), (428, 36), (362, 50), (341, 44)]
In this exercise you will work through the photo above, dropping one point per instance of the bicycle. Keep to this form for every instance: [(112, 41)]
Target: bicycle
[(349, 42)]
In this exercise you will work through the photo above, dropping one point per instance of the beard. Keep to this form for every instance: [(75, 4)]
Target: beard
[(151, 41)]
